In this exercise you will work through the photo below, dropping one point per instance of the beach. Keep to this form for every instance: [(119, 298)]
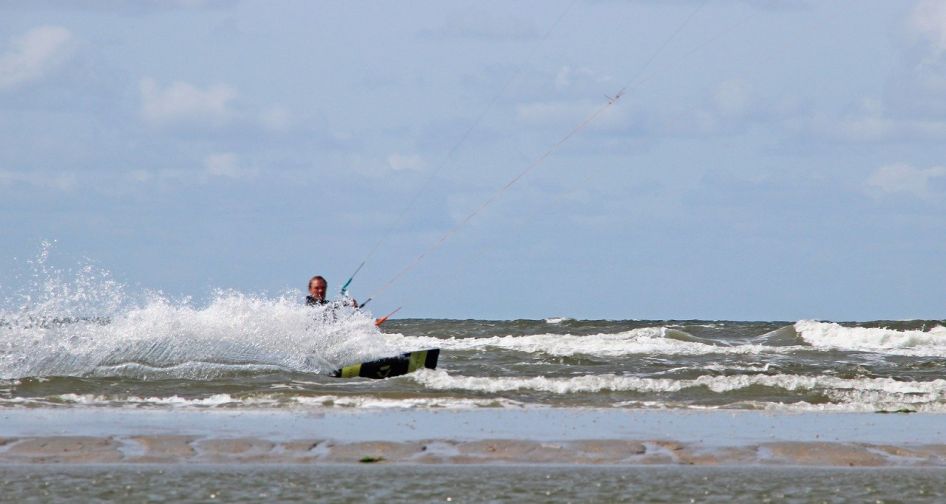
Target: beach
[(470, 456), (548, 436)]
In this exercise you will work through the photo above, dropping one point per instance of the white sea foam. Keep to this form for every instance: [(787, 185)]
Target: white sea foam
[(858, 388), (848, 407), (358, 402), (82, 323), (853, 403), (648, 340), (828, 335), (724, 368), (232, 333), (224, 401)]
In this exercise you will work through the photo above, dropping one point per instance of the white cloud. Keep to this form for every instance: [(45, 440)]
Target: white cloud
[(141, 176), (564, 114), (870, 121), (191, 4), (58, 181), (34, 55), (733, 98), (568, 77), (553, 112), (484, 24), (276, 118), (875, 128), (917, 86), (214, 166), (928, 21), (904, 179), (181, 102), (399, 162), (226, 164), (120, 6), (168, 176), (730, 108)]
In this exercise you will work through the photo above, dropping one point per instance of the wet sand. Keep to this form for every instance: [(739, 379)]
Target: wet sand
[(462, 437), (187, 450)]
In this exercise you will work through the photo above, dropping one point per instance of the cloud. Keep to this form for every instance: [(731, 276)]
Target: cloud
[(779, 4), (731, 108), (902, 178), (58, 181), (553, 112), (226, 165), (772, 5), (34, 55), (400, 162), (870, 121), (120, 6), (220, 165), (141, 176), (568, 77), (732, 98), (484, 25), (181, 102), (913, 106), (927, 21), (917, 87), (168, 176), (276, 118), (564, 114)]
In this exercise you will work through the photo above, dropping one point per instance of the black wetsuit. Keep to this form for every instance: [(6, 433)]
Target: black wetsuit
[(313, 301)]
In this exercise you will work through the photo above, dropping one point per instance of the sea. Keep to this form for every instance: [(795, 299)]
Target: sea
[(241, 351), (74, 340)]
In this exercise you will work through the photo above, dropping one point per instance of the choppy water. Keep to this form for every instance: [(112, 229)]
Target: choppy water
[(76, 338), (242, 352)]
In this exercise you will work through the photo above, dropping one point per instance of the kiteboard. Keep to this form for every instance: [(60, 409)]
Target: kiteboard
[(391, 366)]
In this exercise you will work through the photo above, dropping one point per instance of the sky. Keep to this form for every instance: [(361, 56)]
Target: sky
[(768, 160)]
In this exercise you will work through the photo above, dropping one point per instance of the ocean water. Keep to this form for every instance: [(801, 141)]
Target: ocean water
[(76, 338), (242, 352)]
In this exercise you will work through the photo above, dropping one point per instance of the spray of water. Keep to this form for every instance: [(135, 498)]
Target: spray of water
[(81, 322)]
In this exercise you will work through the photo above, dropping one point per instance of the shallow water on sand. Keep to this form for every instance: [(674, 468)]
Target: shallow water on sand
[(466, 484)]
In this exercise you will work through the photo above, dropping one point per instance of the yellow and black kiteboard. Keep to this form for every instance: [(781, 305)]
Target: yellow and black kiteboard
[(391, 366)]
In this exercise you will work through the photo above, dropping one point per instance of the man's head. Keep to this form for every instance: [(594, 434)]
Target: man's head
[(317, 287)]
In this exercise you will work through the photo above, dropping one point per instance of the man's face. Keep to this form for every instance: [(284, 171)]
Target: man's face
[(317, 289)]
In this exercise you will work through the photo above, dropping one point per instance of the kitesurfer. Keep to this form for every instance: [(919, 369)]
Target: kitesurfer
[(317, 288)]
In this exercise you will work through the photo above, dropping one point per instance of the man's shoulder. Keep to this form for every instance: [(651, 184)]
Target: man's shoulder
[(312, 301)]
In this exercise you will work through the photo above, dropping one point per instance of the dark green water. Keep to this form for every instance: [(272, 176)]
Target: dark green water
[(257, 353)]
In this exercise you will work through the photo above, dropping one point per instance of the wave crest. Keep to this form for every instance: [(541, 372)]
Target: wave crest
[(647, 340), (913, 342), (163, 339)]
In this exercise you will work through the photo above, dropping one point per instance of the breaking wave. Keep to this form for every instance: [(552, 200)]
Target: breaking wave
[(441, 380), (648, 340), (915, 342), (82, 323), (857, 394), (233, 333), (225, 401)]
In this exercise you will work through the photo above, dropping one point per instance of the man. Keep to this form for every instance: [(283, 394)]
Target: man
[(317, 288)]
